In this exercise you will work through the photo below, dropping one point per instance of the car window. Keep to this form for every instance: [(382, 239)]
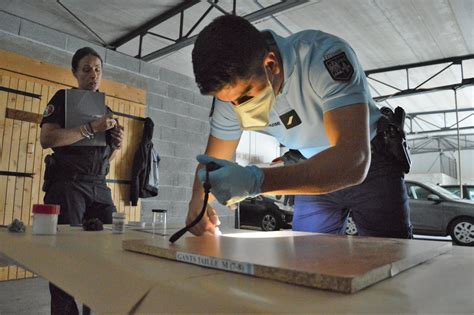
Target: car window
[(442, 191), (470, 192), (422, 193), (417, 192), (454, 190)]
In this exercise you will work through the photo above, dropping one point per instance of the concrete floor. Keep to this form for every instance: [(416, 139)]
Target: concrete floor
[(25, 296)]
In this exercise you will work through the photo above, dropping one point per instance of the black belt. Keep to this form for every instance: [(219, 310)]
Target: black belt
[(81, 178)]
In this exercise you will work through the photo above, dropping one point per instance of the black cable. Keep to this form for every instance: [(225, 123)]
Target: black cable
[(207, 188)]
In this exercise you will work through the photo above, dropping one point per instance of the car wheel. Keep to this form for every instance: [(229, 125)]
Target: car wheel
[(462, 231), (270, 222), (351, 228)]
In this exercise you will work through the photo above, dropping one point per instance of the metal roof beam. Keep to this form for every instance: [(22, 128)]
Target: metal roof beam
[(437, 136), (465, 82), (154, 22), (430, 144), (446, 111), (455, 60), (257, 15), (438, 130)]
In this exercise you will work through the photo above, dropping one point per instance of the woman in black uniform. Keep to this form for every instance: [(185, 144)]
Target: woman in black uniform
[(75, 175)]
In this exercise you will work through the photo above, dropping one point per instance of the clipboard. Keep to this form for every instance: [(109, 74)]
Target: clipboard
[(81, 107)]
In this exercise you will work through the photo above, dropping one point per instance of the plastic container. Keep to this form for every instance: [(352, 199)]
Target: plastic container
[(45, 219), (159, 221), (118, 222)]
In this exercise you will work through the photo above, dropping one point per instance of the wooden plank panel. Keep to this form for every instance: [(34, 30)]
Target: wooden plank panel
[(4, 153), (6, 147), (29, 274), (26, 77), (23, 274), (30, 150), (12, 271), (38, 107), (9, 159), (3, 273), (338, 263), (23, 115), (21, 157), (4, 82), (35, 140), (20, 273)]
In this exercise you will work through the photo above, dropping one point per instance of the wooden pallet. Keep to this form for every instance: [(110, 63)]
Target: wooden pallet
[(337, 263)]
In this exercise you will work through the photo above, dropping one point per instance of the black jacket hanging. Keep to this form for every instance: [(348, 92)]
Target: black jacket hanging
[(144, 182)]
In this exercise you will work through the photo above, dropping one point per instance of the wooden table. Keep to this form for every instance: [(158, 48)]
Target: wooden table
[(92, 267)]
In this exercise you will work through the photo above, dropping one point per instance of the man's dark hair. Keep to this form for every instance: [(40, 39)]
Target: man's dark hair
[(81, 53), (227, 49)]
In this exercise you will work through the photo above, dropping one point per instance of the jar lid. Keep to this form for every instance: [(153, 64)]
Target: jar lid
[(118, 215), (46, 209), (159, 210)]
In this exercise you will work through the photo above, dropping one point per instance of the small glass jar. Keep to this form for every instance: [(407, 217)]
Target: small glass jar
[(118, 222), (159, 221)]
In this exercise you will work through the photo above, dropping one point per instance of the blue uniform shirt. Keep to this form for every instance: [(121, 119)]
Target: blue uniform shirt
[(321, 73)]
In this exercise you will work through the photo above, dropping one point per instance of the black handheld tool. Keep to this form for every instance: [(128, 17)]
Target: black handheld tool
[(211, 166)]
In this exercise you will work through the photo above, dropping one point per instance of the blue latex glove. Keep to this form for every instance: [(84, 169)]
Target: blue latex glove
[(231, 183)]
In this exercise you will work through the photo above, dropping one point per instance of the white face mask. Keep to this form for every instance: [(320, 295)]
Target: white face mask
[(254, 113)]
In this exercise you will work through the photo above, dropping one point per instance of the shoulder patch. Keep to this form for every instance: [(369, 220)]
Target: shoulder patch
[(49, 110), (339, 67)]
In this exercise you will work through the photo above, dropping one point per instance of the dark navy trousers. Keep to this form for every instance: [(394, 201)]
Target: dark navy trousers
[(379, 205)]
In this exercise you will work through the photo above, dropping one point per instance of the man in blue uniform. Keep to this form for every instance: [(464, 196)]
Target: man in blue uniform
[(308, 91)]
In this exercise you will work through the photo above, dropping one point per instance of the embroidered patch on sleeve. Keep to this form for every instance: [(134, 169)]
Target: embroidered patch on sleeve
[(339, 67), (48, 110)]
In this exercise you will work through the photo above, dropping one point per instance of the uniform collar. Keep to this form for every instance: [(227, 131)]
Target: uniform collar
[(288, 57)]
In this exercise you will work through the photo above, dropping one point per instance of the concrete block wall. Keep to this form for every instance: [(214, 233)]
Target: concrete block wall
[(179, 111)]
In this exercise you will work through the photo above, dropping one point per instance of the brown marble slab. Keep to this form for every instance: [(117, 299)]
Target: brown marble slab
[(338, 263)]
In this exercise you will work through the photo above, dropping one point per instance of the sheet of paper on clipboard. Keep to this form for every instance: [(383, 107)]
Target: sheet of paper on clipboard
[(82, 107)]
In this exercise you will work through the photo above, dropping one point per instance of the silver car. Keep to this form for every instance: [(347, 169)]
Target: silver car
[(436, 211)]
